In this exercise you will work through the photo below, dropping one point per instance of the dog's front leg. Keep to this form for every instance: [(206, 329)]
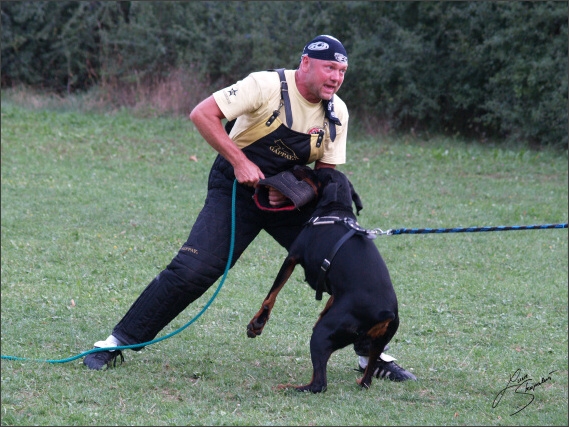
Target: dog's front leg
[(258, 322), (322, 346)]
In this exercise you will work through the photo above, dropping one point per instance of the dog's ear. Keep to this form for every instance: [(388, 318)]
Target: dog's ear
[(329, 193), (356, 199), (303, 172)]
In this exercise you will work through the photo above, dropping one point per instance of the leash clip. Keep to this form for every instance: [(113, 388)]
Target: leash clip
[(370, 234), (379, 232)]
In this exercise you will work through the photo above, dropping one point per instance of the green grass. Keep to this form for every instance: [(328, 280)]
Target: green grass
[(95, 205)]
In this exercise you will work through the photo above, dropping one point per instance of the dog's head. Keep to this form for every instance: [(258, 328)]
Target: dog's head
[(301, 184), (336, 190)]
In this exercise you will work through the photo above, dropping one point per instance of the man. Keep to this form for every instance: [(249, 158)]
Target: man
[(261, 143)]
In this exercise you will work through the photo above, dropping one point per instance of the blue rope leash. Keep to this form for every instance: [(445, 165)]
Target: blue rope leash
[(474, 229), (396, 231), (177, 331)]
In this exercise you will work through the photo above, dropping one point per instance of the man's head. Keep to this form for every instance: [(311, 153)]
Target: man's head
[(323, 63)]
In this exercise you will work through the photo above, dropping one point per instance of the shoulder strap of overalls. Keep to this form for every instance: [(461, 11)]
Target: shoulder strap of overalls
[(285, 100)]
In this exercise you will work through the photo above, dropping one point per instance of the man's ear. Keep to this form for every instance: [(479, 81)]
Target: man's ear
[(304, 63)]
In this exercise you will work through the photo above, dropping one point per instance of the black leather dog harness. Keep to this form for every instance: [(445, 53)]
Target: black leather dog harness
[(353, 228)]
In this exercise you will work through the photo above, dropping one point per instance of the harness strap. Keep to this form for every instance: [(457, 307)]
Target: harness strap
[(354, 228), (321, 283)]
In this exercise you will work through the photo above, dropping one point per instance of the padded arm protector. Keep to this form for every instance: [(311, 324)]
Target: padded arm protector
[(291, 184)]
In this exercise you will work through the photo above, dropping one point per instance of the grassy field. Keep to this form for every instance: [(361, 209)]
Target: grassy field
[(95, 205)]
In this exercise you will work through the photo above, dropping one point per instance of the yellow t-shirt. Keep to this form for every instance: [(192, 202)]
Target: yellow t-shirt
[(252, 101)]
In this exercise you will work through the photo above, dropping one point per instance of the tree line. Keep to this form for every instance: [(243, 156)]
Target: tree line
[(486, 69)]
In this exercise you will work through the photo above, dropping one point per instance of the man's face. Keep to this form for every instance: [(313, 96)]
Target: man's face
[(323, 78)]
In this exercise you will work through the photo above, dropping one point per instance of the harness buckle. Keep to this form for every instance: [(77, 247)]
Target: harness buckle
[(275, 113), (320, 138), (323, 220), (272, 118)]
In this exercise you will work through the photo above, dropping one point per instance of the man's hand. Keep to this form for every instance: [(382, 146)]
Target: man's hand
[(207, 118), (247, 173), (276, 198)]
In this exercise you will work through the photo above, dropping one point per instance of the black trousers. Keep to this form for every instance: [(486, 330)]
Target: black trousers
[(202, 260)]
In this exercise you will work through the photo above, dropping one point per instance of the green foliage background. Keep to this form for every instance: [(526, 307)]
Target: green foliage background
[(488, 69)]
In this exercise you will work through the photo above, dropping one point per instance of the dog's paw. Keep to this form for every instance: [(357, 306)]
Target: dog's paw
[(257, 323), (364, 384), (254, 329), (251, 331)]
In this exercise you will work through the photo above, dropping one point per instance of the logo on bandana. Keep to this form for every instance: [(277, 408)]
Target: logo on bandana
[(318, 46), (341, 58)]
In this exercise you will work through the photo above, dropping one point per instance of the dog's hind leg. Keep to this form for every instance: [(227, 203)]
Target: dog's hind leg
[(258, 322), (380, 335)]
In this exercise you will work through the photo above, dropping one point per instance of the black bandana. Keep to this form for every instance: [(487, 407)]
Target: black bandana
[(326, 48)]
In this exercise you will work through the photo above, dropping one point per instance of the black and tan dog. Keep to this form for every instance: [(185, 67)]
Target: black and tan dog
[(340, 258)]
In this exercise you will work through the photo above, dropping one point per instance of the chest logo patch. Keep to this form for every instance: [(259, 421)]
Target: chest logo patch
[(282, 150)]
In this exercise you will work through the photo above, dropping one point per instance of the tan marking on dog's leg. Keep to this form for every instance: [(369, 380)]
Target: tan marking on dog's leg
[(379, 329), (375, 332)]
